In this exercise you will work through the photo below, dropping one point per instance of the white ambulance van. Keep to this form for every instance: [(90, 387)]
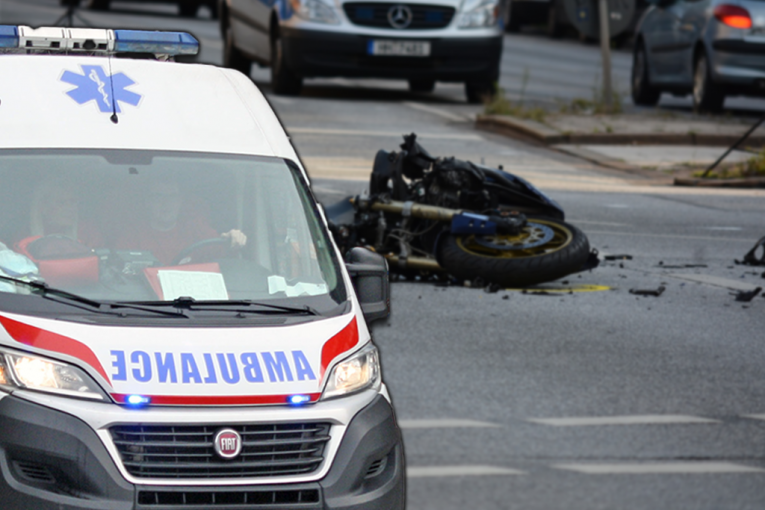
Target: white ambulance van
[(177, 328)]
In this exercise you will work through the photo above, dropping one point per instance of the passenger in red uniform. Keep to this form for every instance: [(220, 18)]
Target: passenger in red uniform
[(172, 225)]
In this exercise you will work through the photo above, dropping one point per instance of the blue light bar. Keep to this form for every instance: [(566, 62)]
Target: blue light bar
[(297, 400), (165, 43), (9, 36), (138, 400)]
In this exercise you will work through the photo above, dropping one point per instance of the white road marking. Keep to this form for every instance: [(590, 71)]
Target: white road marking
[(715, 281), (437, 111), (651, 468), (644, 419), (443, 471), (444, 424), (731, 229), (396, 134), (755, 416)]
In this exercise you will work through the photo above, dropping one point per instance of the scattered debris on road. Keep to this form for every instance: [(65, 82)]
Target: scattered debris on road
[(746, 296), (680, 266), (752, 258), (618, 257), (649, 292)]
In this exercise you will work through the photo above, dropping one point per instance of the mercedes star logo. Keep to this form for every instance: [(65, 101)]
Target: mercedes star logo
[(400, 16)]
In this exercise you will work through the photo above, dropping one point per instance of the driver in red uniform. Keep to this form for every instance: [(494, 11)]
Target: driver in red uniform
[(172, 226)]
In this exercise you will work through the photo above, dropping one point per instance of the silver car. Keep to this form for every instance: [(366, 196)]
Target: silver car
[(422, 41), (710, 48)]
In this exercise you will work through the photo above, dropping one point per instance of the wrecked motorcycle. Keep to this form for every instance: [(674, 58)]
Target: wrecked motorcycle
[(446, 216)]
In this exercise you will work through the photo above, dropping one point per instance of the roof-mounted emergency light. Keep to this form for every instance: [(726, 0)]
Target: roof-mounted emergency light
[(55, 40)]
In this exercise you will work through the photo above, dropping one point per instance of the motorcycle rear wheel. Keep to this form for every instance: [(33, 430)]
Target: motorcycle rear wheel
[(545, 250)]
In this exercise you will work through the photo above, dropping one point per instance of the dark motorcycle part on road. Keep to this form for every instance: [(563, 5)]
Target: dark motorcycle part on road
[(649, 292), (752, 257), (429, 215), (746, 296)]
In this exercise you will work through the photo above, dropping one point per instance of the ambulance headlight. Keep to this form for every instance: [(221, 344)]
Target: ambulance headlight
[(359, 372), (41, 374)]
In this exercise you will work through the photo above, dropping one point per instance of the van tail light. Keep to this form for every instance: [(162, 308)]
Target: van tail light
[(733, 16)]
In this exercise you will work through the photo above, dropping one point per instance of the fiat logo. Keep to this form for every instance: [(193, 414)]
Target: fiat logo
[(399, 16), (228, 443)]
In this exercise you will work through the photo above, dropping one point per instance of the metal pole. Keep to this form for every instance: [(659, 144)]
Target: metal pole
[(605, 50), (734, 146)]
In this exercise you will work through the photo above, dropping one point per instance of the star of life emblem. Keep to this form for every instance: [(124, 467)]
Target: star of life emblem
[(107, 91)]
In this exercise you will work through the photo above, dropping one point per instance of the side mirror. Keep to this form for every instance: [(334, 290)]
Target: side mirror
[(369, 274)]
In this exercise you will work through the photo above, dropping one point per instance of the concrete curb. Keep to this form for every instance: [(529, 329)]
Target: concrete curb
[(750, 182), (529, 129)]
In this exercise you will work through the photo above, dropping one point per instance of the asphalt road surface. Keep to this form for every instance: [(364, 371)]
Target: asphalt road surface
[(570, 399)]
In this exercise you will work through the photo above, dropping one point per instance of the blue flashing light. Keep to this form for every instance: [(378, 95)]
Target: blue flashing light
[(138, 400), (165, 43), (297, 400), (9, 36)]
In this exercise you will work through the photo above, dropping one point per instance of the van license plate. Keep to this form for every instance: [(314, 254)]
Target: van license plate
[(399, 48)]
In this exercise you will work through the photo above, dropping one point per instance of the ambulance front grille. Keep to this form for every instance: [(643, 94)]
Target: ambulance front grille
[(187, 451)]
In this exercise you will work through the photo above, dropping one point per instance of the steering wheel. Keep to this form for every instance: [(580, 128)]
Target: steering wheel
[(198, 245)]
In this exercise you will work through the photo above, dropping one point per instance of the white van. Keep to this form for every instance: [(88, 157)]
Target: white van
[(177, 328), (422, 41)]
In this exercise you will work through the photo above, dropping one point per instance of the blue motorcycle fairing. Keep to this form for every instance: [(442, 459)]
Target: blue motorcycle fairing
[(500, 177)]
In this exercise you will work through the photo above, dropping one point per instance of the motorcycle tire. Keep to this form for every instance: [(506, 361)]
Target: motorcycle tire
[(545, 250)]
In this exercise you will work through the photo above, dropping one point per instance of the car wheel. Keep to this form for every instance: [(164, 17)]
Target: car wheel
[(643, 93), (232, 57), (708, 96), (98, 5), (213, 6), (554, 26), (422, 86), (283, 81), (511, 19), (188, 8), (479, 91)]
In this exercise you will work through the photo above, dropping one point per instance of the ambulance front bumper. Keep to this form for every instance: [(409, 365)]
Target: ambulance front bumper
[(52, 459)]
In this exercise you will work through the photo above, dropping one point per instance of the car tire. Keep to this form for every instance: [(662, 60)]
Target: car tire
[(284, 82), (232, 57), (555, 28), (213, 6), (479, 91), (643, 93), (98, 5), (188, 8), (511, 19), (422, 86), (708, 96)]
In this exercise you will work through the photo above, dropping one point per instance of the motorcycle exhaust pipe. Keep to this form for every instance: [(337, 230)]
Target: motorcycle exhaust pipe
[(422, 263), (406, 209)]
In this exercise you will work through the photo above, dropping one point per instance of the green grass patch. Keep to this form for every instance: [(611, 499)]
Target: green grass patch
[(752, 167)]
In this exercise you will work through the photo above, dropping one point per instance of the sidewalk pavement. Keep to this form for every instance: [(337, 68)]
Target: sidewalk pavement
[(673, 145)]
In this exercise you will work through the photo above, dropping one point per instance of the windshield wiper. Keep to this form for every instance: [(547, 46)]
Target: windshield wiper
[(72, 299), (192, 304)]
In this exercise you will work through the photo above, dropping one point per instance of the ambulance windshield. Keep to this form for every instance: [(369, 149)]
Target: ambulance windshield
[(147, 226)]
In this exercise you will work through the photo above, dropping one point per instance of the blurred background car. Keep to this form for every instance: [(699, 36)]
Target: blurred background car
[(186, 8), (708, 48), (421, 41)]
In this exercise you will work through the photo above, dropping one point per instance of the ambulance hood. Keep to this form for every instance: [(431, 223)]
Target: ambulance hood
[(194, 366)]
